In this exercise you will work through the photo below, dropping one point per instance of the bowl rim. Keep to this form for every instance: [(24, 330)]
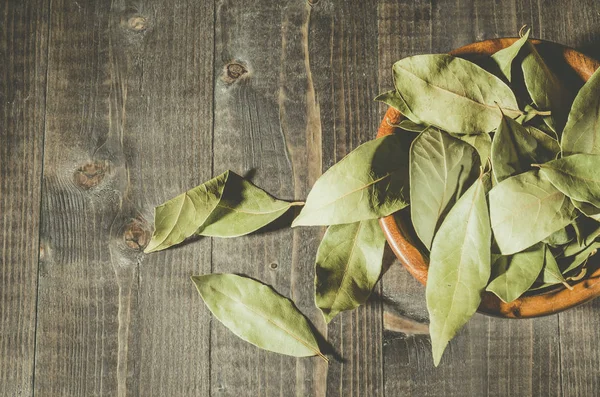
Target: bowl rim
[(399, 239)]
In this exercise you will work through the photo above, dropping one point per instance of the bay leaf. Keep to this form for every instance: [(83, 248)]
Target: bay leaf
[(590, 234), (441, 169), (577, 176), (411, 126), (225, 206), (370, 182), (525, 209), (560, 237), (481, 142), (459, 267), (348, 266), (453, 94), (552, 274), (587, 209), (572, 262), (257, 314), (582, 131), (515, 148), (545, 89), (504, 58), (391, 98), (515, 274)]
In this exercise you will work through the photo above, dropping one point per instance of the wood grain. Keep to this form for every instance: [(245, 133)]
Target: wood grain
[(129, 125), (23, 51)]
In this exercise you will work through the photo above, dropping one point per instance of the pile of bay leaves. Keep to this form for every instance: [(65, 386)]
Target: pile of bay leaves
[(500, 165)]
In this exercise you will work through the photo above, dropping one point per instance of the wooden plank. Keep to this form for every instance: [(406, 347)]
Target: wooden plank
[(490, 356), (344, 64), (128, 126), (23, 50), (267, 127)]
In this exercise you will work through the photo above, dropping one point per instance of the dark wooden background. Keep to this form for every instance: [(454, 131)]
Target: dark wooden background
[(108, 108)]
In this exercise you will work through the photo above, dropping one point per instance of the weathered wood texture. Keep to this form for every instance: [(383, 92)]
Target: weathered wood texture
[(147, 99), (23, 47)]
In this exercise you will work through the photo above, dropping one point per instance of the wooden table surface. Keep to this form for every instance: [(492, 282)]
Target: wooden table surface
[(109, 108)]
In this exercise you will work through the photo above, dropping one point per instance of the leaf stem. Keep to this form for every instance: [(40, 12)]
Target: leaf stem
[(297, 203)]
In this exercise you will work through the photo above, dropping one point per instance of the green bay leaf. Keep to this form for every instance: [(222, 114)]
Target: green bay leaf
[(441, 169), (515, 274), (572, 262), (577, 176), (560, 237), (257, 314), (391, 98), (582, 131), (452, 93), (348, 266), (545, 89), (504, 58), (459, 267), (225, 206), (370, 182), (515, 148), (587, 209), (551, 274), (481, 142), (525, 209)]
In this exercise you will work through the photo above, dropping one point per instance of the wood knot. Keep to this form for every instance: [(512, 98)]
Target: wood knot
[(312, 2), (137, 23), (233, 71), (136, 235), (90, 175), (273, 265)]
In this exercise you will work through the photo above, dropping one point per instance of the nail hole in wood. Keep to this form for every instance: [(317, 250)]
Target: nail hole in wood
[(273, 266)]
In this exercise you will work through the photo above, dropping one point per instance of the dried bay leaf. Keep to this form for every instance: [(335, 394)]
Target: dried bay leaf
[(515, 274), (515, 148), (481, 142), (582, 131), (590, 232), (453, 94), (459, 266), (441, 169), (391, 98), (545, 89), (587, 209), (560, 237), (574, 261), (577, 176), (411, 126), (370, 182), (551, 274), (225, 206), (257, 314), (348, 266), (504, 58), (525, 209)]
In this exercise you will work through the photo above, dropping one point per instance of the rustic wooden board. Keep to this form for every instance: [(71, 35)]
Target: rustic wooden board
[(23, 48), (129, 125), (147, 100)]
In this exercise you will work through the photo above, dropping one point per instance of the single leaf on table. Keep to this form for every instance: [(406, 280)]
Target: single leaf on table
[(257, 314), (551, 274), (572, 262), (180, 217), (348, 266), (582, 132), (545, 89), (481, 142), (243, 209), (525, 209), (515, 274), (459, 266), (515, 148), (453, 94), (225, 206), (587, 209), (504, 58), (577, 176), (441, 169), (391, 98), (370, 182)]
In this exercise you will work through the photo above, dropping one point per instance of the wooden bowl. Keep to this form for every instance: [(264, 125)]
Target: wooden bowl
[(402, 239)]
